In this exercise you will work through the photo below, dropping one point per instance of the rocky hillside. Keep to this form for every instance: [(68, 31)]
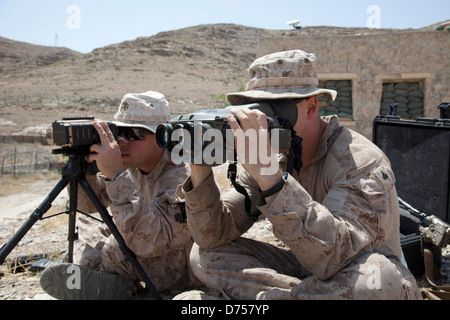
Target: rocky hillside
[(193, 67), (188, 65), (15, 55)]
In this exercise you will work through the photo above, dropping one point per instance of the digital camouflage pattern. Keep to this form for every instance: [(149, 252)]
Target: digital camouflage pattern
[(146, 212), (338, 217)]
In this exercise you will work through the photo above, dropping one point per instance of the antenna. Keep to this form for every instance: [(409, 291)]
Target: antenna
[(55, 44), (294, 23)]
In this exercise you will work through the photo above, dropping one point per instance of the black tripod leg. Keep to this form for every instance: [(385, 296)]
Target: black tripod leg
[(73, 200), (129, 255), (35, 216)]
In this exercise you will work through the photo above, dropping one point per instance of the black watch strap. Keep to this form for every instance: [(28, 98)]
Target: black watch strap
[(277, 187)]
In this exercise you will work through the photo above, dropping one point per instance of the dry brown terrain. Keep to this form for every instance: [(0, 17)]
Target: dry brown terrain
[(193, 67), (188, 66)]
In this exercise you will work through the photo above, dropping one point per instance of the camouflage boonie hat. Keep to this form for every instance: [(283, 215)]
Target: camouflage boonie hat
[(282, 75), (142, 110)]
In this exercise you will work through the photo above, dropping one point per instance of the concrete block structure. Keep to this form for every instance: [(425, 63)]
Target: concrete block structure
[(372, 71)]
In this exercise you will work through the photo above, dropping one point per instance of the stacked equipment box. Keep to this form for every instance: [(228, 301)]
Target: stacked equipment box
[(419, 151)]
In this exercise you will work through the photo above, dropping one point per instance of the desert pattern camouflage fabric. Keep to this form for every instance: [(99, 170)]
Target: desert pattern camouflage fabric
[(338, 217), (146, 212)]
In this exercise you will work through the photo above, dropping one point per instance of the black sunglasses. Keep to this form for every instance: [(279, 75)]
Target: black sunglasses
[(133, 134)]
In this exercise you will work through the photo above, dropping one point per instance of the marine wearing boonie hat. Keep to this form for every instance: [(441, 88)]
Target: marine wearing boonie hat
[(142, 110), (282, 75)]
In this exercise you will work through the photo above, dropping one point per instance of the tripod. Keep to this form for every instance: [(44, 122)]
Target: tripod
[(74, 173)]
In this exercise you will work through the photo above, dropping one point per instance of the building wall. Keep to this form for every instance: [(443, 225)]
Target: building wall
[(370, 61)]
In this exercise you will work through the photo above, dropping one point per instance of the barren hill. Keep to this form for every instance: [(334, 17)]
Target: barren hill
[(191, 66), (21, 55)]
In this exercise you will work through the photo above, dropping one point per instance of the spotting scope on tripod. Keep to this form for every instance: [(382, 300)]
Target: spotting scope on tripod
[(75, 135)]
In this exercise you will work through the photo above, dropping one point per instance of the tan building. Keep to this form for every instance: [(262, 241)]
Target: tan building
[(371, 72)]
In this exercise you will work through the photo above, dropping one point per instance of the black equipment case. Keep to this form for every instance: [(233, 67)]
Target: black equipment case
[(419, 151)]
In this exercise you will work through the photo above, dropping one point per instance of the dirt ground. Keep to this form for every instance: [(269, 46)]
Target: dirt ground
[(50, 237)]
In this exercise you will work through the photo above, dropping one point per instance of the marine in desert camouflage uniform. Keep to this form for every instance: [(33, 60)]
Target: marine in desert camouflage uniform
[(338, 215), (137, 181)]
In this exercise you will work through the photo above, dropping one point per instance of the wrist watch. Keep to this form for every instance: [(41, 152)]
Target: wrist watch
[(277, 187), (114, 179)]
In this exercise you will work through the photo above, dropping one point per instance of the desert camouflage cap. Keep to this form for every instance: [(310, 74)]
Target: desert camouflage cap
[(143, 110), (282, 75)]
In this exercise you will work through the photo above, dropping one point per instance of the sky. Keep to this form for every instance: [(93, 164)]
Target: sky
[(83, 25)]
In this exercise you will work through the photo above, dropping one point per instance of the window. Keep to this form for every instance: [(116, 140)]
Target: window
[(342, 106), (408, 96)]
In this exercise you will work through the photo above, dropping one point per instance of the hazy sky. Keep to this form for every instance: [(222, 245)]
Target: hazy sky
[(84, 25)]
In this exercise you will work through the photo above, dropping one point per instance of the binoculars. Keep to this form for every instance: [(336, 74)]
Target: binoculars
[(208, 130)]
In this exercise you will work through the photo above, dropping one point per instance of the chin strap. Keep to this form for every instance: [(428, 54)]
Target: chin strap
[(232, 173), (295, 154)]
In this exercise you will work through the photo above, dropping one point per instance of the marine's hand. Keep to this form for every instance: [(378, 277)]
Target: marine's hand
[(107, 154), (253, 148)]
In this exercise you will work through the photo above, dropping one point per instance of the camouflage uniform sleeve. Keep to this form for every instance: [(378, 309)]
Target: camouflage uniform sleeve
[(149, 228), (97, 183), (353, 218), (213, 219)]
